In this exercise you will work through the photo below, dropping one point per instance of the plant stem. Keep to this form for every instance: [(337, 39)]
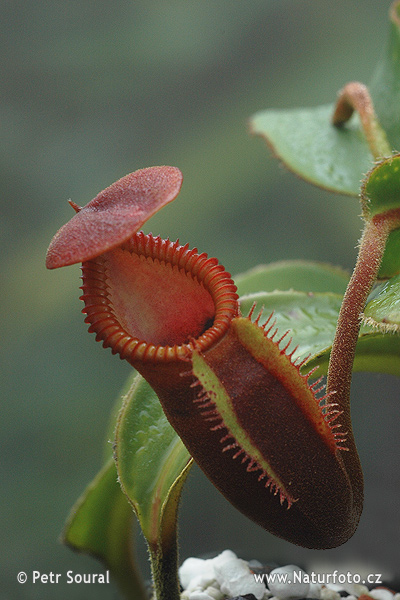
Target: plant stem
[(372, 247), (164, 566), (355, 97), (370, 255)]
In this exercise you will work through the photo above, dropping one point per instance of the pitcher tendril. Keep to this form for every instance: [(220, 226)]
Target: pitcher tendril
[(356, 97)]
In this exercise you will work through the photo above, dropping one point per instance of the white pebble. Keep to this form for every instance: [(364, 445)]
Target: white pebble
[(226, 555), (285, 584), (199, 596), (354, 589), (381, 594), (215, 593), (314, 591), (254, 564), (196, 573), (235, 578)]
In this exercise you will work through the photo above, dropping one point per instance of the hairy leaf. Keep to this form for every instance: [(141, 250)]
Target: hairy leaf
[(383, 309), (101, 524), (152, 463), (381, 191), (311, 319), (380, 194)]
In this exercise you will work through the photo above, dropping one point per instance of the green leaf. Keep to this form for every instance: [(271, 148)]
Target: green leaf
[(310, 146), (385, 83), (383, 309), (390, 264), (152, 463), (330, 157), (311, 319), (376, 353), (101, 524), (110, 433), (380, 193), (300, 275)]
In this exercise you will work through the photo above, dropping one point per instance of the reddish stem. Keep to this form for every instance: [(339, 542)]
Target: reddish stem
[(355, 97), (370, 255), (372, 247)]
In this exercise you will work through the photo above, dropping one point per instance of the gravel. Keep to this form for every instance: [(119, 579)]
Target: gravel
[(227, 577)]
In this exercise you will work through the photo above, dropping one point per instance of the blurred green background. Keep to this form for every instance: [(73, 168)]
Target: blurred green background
[(92, 90)]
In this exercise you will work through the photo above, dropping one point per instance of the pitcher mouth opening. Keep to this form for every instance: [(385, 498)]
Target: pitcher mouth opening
[(153, 300)]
